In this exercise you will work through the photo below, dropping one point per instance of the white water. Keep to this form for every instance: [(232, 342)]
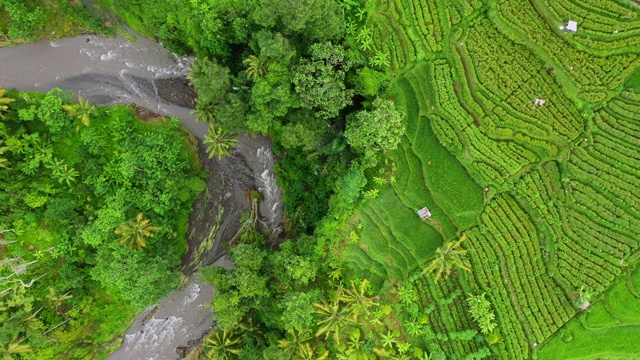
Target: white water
[(181, 317), (105, 71), (270, 206)]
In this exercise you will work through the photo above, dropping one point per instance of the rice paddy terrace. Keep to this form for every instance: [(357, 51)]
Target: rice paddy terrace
[(525, 136)]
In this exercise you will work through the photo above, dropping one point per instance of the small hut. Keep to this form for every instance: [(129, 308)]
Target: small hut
[(424, 213), (572, 26)]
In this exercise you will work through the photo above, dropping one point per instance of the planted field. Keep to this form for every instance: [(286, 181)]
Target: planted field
[(509, 265), (610, 26), (609, 330), (524, 137), (448, 317)]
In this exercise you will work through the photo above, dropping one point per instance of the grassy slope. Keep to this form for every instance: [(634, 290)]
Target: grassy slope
[(609, 330), (397, 240)]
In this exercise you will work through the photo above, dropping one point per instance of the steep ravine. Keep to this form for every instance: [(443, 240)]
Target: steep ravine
[(115, 71)]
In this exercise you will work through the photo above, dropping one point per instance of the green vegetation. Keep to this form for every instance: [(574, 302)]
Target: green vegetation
[(27, 21), (68, 288), (607, 330), (520, 137)]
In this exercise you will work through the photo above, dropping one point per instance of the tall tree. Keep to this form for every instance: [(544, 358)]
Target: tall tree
[(448, 257), (220, 142), (222, 345), (334, 317), (13, 348), (204, 111), (256, 67), (135, 232), (296, 343), (378, 130), (320, 82), (357, 299), (480, 310)]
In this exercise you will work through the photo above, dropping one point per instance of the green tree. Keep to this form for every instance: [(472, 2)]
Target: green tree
[(135, 232), (378, 130), (357, 299), (242, 289), (297, 310), (211, 81), (295, 345), (316, 20), (13, 348), (222, 345), (82, 110), (219, 142), (448, 257), (320, 82), (334, 317), (256, 67)]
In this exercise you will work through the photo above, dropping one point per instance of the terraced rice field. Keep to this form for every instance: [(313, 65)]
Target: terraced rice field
[(525, 137)]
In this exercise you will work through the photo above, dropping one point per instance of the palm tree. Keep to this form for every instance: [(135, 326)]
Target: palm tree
[(197, 70), (296, 347), (204, 111), (135, 232), (67, 175), (56, 299), (355, 348), (334, 317), (389, 339), (13, 348), (4, 101), (220, 142), (448, 257), (257, 67), (82, 110), (357, 299), (222, 345)]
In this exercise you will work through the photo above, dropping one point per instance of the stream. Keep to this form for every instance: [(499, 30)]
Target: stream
[(108, 71)]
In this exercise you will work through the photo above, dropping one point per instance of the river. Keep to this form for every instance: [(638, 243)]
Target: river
[(109, 71)]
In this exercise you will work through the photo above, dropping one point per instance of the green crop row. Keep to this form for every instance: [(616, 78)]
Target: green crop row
[(486, 270), (543, 306), (446, 99), (625, 109), (500, 159), (622, 131), (511, 76), (509, 257), (446, 134), (631, 96), (424, 18), (506, 157), (450, 314), (587, 70), (604, 177), (593, 15)]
